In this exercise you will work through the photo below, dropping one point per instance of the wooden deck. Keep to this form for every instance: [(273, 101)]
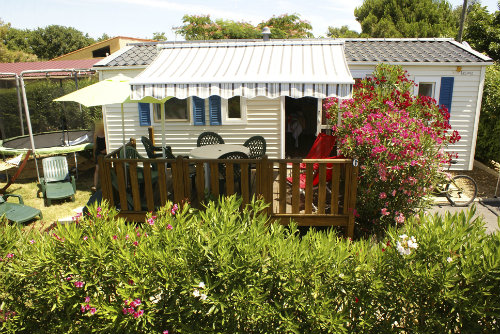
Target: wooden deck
[(327, 196)]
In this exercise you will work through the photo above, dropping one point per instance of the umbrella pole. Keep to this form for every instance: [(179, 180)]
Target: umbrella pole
[(28, 123), (162, 108)]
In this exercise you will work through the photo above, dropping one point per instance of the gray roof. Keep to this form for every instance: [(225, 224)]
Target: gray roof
[(370, 50), (410, 50)]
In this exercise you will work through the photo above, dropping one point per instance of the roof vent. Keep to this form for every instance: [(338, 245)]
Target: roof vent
[(266, 34)]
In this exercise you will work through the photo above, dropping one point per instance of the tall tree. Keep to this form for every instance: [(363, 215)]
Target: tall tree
[(482, 31), (160, 36), (9, 54), (406, 18), (203, 27), (287, 26), (54, 40), (342, 32)]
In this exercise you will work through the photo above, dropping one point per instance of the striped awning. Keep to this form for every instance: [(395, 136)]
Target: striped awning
[(295, 68)]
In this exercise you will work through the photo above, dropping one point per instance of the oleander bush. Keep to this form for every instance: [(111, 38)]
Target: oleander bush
[(229, 271), (399, 140)]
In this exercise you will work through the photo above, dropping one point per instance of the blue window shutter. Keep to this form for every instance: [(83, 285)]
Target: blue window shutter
[(198, 111), (214, 103), (446, 91), (144, 114)]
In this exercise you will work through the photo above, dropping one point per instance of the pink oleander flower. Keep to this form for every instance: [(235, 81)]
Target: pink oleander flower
[(382, 195), (126, 237), (85, 238), (115, 237), (400, 218), (384, 212), (136, 243), (69, 278), (165, 332), (82, 308), (169, 227), (87, 299), (79, 284), (10, 255), (174, 209), (32, 241), (151, 221), (92, 310), (124, 310)]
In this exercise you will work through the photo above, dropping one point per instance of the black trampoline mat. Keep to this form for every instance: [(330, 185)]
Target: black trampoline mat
[(47, 139)]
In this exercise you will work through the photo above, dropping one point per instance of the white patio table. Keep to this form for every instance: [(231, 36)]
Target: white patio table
[(214, 152)]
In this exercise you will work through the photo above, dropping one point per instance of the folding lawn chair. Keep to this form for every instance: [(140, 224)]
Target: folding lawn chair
[(17, 212), (56, 183)]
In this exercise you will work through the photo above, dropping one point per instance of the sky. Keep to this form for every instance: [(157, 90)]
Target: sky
[(142, 18)]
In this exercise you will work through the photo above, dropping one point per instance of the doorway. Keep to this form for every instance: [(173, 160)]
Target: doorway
[(301, 123)]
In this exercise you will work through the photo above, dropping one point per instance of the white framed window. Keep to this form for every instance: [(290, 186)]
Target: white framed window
[(427, 86), (234, 110), (176, 110)]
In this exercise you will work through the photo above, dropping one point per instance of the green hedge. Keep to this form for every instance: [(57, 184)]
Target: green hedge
[(226, 271), (45, 114)]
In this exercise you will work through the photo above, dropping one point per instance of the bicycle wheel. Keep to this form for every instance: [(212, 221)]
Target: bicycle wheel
[(461, 191)]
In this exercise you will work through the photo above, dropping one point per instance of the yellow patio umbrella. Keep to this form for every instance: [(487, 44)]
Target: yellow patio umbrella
[(109, 91)]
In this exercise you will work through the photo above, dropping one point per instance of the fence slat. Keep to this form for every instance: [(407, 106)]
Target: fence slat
[(214, 179), (309, 189), (200, 181), (148, 187), (177, 178), (229, 179), (120, 179), (334, 205), (282, 188), (245, 183), (322, 188), (162, 182), (295, 188), (134, 183)]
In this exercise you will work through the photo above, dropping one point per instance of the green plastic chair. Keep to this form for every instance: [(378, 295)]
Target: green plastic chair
[(56, 183), (17, 212)]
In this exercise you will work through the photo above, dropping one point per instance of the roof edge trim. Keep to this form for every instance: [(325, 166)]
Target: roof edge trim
[(113, 56)]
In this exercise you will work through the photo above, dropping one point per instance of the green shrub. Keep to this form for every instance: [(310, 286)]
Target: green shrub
[(230, 271), (488, 148)]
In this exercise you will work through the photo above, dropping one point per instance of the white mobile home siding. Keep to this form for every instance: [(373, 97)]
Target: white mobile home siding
[(465, 105), (263, 118)]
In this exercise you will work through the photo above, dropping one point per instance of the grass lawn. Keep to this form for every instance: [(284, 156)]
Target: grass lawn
[(27, 187)]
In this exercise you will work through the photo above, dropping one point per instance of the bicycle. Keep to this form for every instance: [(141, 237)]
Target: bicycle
[(460, 190)]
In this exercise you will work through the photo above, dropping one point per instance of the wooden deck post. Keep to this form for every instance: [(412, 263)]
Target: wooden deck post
[(350, 200), (151, 134)]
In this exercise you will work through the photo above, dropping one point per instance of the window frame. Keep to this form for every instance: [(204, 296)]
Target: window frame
[(187, 120), (435, 80), (225, 112)]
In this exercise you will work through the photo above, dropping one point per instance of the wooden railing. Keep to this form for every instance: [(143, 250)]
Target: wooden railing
[(326, 197)]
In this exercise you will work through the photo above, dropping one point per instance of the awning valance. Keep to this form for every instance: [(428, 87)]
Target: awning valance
[(247, 68)]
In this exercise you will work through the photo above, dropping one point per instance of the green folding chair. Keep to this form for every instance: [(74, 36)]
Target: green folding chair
[(56, 183), (17, 212)]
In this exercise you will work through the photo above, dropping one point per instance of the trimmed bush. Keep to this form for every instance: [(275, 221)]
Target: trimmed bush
[(230, 271)]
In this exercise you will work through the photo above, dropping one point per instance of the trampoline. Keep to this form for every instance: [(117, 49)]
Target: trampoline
[(49, 143)]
